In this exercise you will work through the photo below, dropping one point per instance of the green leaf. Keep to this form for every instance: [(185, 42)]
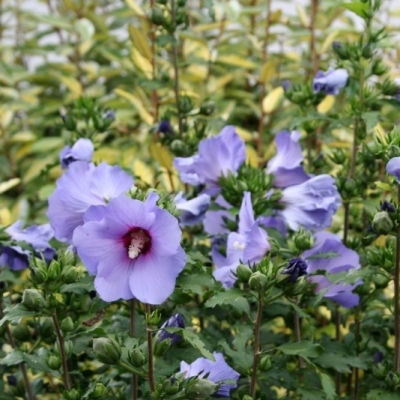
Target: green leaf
[(339, 362), (195, 283), (194, 340), (16, 313), (233, 297), (36, 362), (303, 349), (381, 394), (12, 358), (361, 9), (85, 285), (310, 393), (327, 386)]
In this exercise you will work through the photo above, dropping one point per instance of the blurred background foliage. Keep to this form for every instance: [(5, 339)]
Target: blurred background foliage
[(230, 58)]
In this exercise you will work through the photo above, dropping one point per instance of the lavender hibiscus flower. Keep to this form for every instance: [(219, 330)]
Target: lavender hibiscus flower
[(176, 321), (82, 150), (248, 245), (192, 211), (82, 186), (286, 165), (133, 248), (217, 157), (393, 167), (217, 371), (330, 81), (339, 259), (37, 236), (311, 204)]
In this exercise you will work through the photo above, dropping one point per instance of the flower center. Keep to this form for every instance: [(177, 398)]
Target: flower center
[(137, 241), (239, 246)]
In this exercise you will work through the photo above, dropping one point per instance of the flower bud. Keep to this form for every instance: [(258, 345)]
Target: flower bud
[(295, 268), (54, 362), (243, 273), (136, 358), (33, 300), (303, 240), (394, 151), (157, 16), (392, 380), (382, 223), (99, 391), (185, 104), (72, 394), (386, 206), (341, 50), (207, 108), (70, 275), (21, 333), (12, 380), (177, 146), (106, 350), (265, 363), (171, 386), (67, 325), (38, 275), (379, 370), (201, 389), (379, 68), (381, 281), (54, 271), (176, 321), (367, 51), (258, 281), (69, 122), (160, 348)]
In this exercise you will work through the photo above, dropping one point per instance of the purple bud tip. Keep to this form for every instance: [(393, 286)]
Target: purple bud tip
[(296, 267), (386, 206)]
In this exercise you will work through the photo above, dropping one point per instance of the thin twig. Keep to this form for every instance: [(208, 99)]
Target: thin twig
[(61, 342), (150, 349), (132, 304), (256, 347), (22, 366)]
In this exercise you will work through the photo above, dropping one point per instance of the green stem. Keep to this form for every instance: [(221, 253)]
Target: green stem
[(150, 349), (132, 304), (129, 368), (256, 347), (61, 342), (397, 295)]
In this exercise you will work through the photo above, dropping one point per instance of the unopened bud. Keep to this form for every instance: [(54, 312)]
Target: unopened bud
[(265, 363), (381, 281), (136, 358), (379, 370), (160, 348), (54, 362), (33, 300), (107, 350), (379, 68), (38, 275), (99, 391), (21, 333), (171, 387), (243, 273), (67, 325), (201, 389), (72, 394), (54, 271), (382, 223), (258, 281), (70, 275), (303, 240), (392, 380)]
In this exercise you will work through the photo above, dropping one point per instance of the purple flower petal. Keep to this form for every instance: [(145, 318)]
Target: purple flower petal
[(82, 150), (330, 81), (393, 167), (246, 214), (257, 245)]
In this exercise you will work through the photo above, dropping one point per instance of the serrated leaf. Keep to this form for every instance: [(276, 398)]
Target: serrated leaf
[(195, 283), (16, 313), (272, 100), (304, 348), (233, 297), (339, 362), (194, 340), (140, 41), (327, 386), (83, 286), (381, 394)]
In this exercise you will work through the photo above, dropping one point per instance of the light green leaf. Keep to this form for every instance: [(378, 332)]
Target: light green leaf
[(233, 297)]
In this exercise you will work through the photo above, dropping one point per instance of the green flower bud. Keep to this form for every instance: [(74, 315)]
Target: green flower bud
[(99, 391), (394, 151), (72, 394), (382, 223), (107, 350), (177, 146), (247, 397), (379, 68), (54, 362), (341, 50), (201, 389), (38, 275), (70, 275), (392, 380), (207, 108), (258, 281), (157, 16), (339, 156), (21, 333), (389, 87), (46, 330), (33, 300), (363, 289), (69, 122), (54, 271), (136, 358), (160, 348), (303, 240), (185, 104), (265, 363), (243, 273), (381, 281), (170, 387), (379, 370), (67, 325), (367, 51)]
